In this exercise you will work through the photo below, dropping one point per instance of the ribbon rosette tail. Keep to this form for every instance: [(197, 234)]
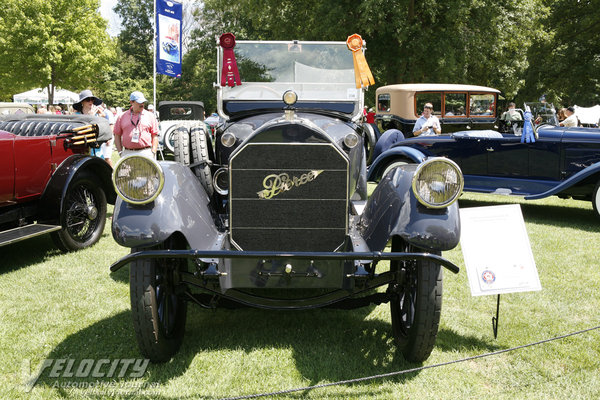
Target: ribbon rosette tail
[(230, 75), (362, 72)]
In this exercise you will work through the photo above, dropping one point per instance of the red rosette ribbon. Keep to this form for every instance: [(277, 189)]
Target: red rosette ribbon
[(230, 75), (362, 72)]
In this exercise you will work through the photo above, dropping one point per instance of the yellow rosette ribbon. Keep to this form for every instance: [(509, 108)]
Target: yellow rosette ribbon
[(362, 72)]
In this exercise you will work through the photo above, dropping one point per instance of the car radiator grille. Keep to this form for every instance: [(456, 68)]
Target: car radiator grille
[(288, 197)]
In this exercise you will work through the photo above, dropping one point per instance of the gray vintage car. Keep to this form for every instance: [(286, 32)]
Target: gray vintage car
[(277, 215)]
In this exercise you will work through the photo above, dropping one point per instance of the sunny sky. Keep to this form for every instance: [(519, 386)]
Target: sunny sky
[(106, 11)]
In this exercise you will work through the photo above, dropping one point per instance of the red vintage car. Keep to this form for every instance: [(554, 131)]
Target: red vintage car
[(48, 181)]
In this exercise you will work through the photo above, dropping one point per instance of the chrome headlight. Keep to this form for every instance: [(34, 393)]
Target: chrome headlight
[(437, 182), (351, 140), (228, 139), (137, 179)]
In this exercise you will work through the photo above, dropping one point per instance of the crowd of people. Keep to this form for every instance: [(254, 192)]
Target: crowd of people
[(135, 131)]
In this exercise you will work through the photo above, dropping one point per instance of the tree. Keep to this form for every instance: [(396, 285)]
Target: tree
[(54, 43), (566, 61)]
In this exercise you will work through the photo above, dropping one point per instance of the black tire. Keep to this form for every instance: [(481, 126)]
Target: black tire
[(83, 214), (181, 145), (158, 310), (596, 199), (200, 155), (416, 306)]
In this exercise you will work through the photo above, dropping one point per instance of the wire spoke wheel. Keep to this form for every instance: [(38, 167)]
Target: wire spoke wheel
[(83, 214)]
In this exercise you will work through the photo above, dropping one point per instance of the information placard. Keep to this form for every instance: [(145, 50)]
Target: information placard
[(496, 250)]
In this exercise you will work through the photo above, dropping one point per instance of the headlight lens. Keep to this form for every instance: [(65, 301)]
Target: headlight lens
[(228, 139), (351, 140), (290, 97), (437, 182), (137, 179)]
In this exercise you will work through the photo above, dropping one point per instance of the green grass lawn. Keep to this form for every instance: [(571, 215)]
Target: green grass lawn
[(68, 306)]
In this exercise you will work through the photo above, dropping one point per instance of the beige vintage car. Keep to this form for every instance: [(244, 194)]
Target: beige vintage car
[(15, 108), (458, 107)]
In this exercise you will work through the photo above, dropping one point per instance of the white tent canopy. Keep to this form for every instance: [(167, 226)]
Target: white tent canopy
[(40, 96), (588, 115)]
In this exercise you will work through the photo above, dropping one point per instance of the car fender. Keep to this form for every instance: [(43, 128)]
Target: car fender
[(566, 184), (182, 206), (56, 188), (393, 210), (388, 156)]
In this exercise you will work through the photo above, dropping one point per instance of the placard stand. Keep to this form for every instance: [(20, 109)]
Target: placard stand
[(497, 253), (495, 319)]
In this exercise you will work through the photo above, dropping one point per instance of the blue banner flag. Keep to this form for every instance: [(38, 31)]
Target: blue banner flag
[(168, 37)]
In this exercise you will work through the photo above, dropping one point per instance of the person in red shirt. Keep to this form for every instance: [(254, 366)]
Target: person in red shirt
[(136, 130)]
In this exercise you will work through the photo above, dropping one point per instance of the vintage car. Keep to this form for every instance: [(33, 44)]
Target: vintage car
[(15, 108), (177, 114), (563, 162), (48, 181), (458, 107), (276, 215)]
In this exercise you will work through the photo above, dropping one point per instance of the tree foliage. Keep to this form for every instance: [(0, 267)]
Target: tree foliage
[(565, 62), (52, 42), (451, 41)]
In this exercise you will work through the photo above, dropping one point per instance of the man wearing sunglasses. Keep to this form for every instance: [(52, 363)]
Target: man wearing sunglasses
[(136, 130)]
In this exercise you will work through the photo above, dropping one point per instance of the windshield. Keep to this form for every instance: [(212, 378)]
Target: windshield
[(542, 113), (316, 71)]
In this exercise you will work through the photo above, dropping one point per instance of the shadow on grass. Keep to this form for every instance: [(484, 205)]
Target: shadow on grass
[(27, 252), (326, 345), (553, 215)]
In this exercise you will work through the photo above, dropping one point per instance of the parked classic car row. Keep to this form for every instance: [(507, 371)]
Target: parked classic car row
[(275, 214), (563, 162)]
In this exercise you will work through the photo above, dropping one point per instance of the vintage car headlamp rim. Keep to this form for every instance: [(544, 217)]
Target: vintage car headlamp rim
[(438, 182), (228, 139), (351, 140), (138, 179), (221, 181), (290, 97)]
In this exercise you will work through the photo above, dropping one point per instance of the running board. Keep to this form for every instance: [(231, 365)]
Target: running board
[(25, 232)]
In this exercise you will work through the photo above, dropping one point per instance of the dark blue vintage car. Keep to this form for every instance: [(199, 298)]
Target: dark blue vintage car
[(563, 162), (276, 215)]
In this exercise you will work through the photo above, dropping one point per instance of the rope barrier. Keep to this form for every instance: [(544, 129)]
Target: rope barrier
[(407, 371)]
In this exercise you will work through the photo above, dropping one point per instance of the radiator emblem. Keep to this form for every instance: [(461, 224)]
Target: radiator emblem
[(276, 184)]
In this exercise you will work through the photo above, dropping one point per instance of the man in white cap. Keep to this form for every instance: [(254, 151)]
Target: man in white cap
[(136, 130)]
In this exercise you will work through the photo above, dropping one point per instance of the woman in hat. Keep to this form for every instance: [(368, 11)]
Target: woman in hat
[(87, 104)]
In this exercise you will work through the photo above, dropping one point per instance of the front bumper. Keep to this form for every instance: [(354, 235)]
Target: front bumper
[(340, 276)]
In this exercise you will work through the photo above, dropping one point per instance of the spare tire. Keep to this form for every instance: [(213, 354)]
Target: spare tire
[(181, 145), (200, 158)]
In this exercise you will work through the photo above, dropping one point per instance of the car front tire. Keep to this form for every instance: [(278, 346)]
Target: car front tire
[(416, 304), (83, 214), (159, 312)]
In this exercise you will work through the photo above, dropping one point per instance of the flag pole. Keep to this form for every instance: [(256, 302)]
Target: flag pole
[(154, 58)]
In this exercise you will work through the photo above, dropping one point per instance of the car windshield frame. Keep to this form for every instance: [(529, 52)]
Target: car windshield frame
[(319, 72)]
